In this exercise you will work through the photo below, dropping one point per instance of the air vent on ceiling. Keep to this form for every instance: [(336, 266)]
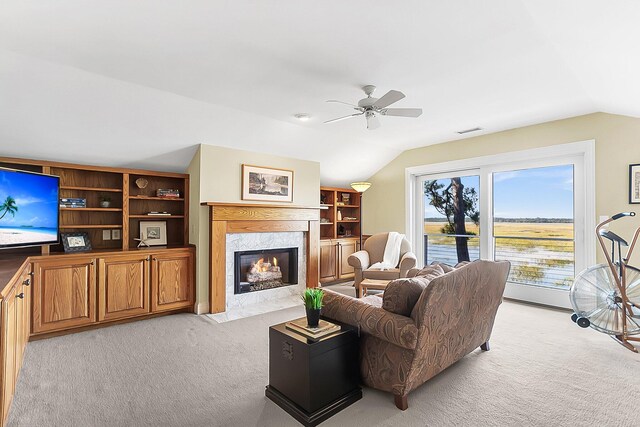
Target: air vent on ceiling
[(462, 132)]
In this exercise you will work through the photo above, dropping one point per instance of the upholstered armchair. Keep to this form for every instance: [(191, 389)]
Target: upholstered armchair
[(373, 252), (422, 325)]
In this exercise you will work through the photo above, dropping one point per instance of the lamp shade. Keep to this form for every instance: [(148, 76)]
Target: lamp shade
[(361, 186)]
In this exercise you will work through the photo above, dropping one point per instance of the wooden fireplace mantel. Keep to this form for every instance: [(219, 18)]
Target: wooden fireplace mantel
[(257, 218)]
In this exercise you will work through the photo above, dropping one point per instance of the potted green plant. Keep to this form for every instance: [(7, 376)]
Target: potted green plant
[(312, 298), (105, 201)]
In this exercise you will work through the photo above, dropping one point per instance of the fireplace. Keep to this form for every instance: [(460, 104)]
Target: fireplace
[(265, 269)]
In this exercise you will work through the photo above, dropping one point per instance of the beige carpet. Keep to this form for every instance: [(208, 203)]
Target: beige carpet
[(187, 370)]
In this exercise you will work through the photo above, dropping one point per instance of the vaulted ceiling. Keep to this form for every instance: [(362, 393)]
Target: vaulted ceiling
[(140, 83)]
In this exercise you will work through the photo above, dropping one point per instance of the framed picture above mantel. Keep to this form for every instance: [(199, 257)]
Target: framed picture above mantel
[(267, 184)]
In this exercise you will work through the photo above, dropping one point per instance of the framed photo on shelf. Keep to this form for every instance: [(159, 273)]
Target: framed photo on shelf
[(267, 184), (76, 242), (153, 233), (634, 183)]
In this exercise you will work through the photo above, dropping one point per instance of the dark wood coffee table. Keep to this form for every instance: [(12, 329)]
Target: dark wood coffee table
[(313, 381)]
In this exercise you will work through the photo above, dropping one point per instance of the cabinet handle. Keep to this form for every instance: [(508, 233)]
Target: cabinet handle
[(27, 282), (20, 295)]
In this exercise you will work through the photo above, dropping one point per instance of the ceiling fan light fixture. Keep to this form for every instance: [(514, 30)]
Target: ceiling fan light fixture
[(371, 108), (303, 117)]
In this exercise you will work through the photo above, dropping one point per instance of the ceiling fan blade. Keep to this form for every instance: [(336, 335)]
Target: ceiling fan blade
[(388, 99), (341, 102), (402, 112), (344, 118), (373, 122)]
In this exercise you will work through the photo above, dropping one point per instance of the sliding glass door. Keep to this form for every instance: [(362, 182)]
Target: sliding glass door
[(522, 212), (533, 228)]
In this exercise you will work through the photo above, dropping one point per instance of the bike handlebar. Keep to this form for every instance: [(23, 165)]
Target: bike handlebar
[(621, 214)]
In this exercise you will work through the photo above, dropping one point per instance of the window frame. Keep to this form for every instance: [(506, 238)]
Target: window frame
[(580, 154)]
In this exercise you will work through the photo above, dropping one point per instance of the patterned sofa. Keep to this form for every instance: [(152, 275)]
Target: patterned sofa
[(422, 325)]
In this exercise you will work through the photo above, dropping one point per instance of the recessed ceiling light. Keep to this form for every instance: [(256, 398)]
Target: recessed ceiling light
[(303, 117), (462, 132)]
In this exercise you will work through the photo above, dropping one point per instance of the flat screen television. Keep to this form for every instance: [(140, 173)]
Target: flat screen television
[(29, 209)]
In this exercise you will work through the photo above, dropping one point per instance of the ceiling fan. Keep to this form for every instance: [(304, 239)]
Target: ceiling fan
[(371, 107)]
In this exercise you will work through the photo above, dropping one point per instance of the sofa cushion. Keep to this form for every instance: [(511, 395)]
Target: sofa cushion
[(432, 271), (402, 294), (445, 267)]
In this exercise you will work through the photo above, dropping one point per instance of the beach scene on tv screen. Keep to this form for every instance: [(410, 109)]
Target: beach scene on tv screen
[(28, 209)]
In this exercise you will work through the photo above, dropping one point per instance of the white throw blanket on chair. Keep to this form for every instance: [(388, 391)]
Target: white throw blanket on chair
[(391, 256)]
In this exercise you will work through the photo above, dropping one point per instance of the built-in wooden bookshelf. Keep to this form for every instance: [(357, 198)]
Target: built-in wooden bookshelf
[(340, 216), (129, 203)]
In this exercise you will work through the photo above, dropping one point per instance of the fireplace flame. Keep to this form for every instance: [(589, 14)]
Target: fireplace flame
[(275, 261), (261, 266)]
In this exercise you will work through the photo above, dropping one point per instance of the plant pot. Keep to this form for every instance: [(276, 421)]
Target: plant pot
[(313, 317), (105, 204)]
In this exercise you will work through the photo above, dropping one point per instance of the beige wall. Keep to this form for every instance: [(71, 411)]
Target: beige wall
[(216, 176), (617, 145)]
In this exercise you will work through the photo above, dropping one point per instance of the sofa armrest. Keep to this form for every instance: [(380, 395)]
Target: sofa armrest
[(359, 260), (372, 320), (407, 262)]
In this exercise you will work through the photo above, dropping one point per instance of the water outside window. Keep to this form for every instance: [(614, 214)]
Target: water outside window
[(533, 224)]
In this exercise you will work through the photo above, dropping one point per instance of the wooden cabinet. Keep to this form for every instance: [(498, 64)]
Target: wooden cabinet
[(172, 278), (345, 248), (123, 286), (9, 344), (328, 265), (64, 295), (72, 291), (334, 256), (15, 333)]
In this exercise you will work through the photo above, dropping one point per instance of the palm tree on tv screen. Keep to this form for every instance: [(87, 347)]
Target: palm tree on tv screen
[(8, 206)]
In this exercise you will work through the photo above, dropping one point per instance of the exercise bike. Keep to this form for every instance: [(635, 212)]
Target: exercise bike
[(606, 297)]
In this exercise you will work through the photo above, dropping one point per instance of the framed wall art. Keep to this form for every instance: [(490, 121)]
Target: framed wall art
[(75, 242), (634, 183), (267, 184), (153, 233)]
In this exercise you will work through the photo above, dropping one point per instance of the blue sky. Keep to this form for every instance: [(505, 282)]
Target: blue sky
[(528, 193), (36, 197)]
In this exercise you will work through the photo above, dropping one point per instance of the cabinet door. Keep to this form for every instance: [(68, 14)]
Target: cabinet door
[(346, 248), (172, 280), (23, 311), (10, 338), (328, 264), (20, 326), (123, 286), (64, 294)]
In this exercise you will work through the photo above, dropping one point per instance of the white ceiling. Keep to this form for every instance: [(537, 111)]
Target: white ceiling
[(140, 83)]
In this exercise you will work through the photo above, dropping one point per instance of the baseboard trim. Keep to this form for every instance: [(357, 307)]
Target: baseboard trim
[(202, 307)]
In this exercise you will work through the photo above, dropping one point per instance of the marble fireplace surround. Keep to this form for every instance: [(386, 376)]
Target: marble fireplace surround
[(233, 218)]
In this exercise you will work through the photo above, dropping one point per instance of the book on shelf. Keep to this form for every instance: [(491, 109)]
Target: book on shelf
[(168, 193), (324, 328), (73, 203), (153, 213)]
